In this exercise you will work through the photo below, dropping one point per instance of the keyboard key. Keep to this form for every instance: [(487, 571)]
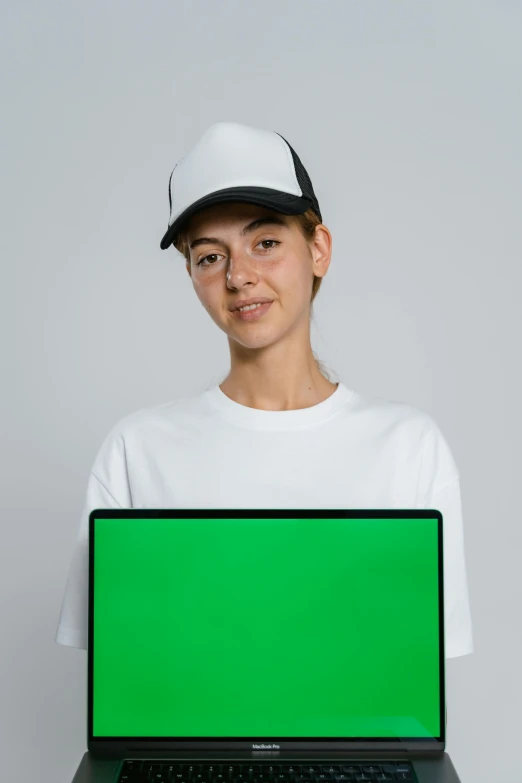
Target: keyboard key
[(131, 764), (372, 768), (151, 769), (352, 769)]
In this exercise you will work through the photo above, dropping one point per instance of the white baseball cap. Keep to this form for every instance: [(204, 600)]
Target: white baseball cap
[(234, 162)]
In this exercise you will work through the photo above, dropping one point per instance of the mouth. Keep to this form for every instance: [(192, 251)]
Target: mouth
[(252, 312)]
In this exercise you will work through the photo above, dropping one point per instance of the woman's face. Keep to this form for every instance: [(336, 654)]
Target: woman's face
[(233, 258)]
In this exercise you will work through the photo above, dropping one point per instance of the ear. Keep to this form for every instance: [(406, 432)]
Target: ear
[(188, 268), (321, 250)]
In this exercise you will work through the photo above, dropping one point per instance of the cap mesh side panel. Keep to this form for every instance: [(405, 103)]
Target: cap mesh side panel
[(305, 183), (170, 186)]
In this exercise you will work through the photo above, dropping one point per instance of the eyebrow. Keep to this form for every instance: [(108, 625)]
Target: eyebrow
[(268, 221)]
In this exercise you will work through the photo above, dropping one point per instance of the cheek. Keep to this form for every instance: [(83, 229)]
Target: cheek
[(208, 290), (282, 272), (290, 278)]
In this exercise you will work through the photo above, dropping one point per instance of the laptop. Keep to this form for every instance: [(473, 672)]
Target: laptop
[(268, 646)]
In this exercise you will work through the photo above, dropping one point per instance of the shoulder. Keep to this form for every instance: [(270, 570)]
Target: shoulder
[(437, 465), (133, 428), (151, 416), (393, 416), (404, 423)]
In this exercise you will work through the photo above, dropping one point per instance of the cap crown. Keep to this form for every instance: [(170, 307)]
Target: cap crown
[(235, 162)]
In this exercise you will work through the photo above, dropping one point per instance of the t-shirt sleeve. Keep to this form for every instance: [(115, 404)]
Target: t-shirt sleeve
[(439, 489), (107, 487)]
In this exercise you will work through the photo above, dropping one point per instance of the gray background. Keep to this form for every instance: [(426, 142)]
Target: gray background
[(407, 116)]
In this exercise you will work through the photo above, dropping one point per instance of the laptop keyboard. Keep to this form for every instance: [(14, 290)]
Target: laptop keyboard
[(163, 771)]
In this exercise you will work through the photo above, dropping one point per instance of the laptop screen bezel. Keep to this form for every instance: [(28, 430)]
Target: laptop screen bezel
[(261, 745)]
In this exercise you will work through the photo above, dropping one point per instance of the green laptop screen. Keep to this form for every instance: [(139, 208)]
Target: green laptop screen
[(265, 627)]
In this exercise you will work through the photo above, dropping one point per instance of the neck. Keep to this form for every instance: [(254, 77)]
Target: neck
[(272, 382)]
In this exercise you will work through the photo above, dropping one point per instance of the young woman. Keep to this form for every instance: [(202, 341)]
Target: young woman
[(276, 432)]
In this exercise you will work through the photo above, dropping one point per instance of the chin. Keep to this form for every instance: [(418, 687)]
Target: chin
[(259, 341), (256, 339)]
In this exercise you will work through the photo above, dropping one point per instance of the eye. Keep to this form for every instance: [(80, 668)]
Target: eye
[(200, 262), (269, 240)]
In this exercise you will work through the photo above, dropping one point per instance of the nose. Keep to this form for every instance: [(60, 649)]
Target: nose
[(240, 271)]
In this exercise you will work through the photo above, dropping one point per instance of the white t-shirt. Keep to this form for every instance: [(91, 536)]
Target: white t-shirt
[(207, 451)]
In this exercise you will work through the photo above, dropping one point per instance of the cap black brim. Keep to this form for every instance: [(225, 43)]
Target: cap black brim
[(263, 197)]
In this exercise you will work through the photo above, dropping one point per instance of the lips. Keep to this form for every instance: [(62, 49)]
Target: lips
[(253, 315), (245, 302), (250, 305)]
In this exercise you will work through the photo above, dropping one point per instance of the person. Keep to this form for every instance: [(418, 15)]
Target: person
[(277, 432)]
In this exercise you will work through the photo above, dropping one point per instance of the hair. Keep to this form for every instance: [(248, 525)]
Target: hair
[(307, 221)]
